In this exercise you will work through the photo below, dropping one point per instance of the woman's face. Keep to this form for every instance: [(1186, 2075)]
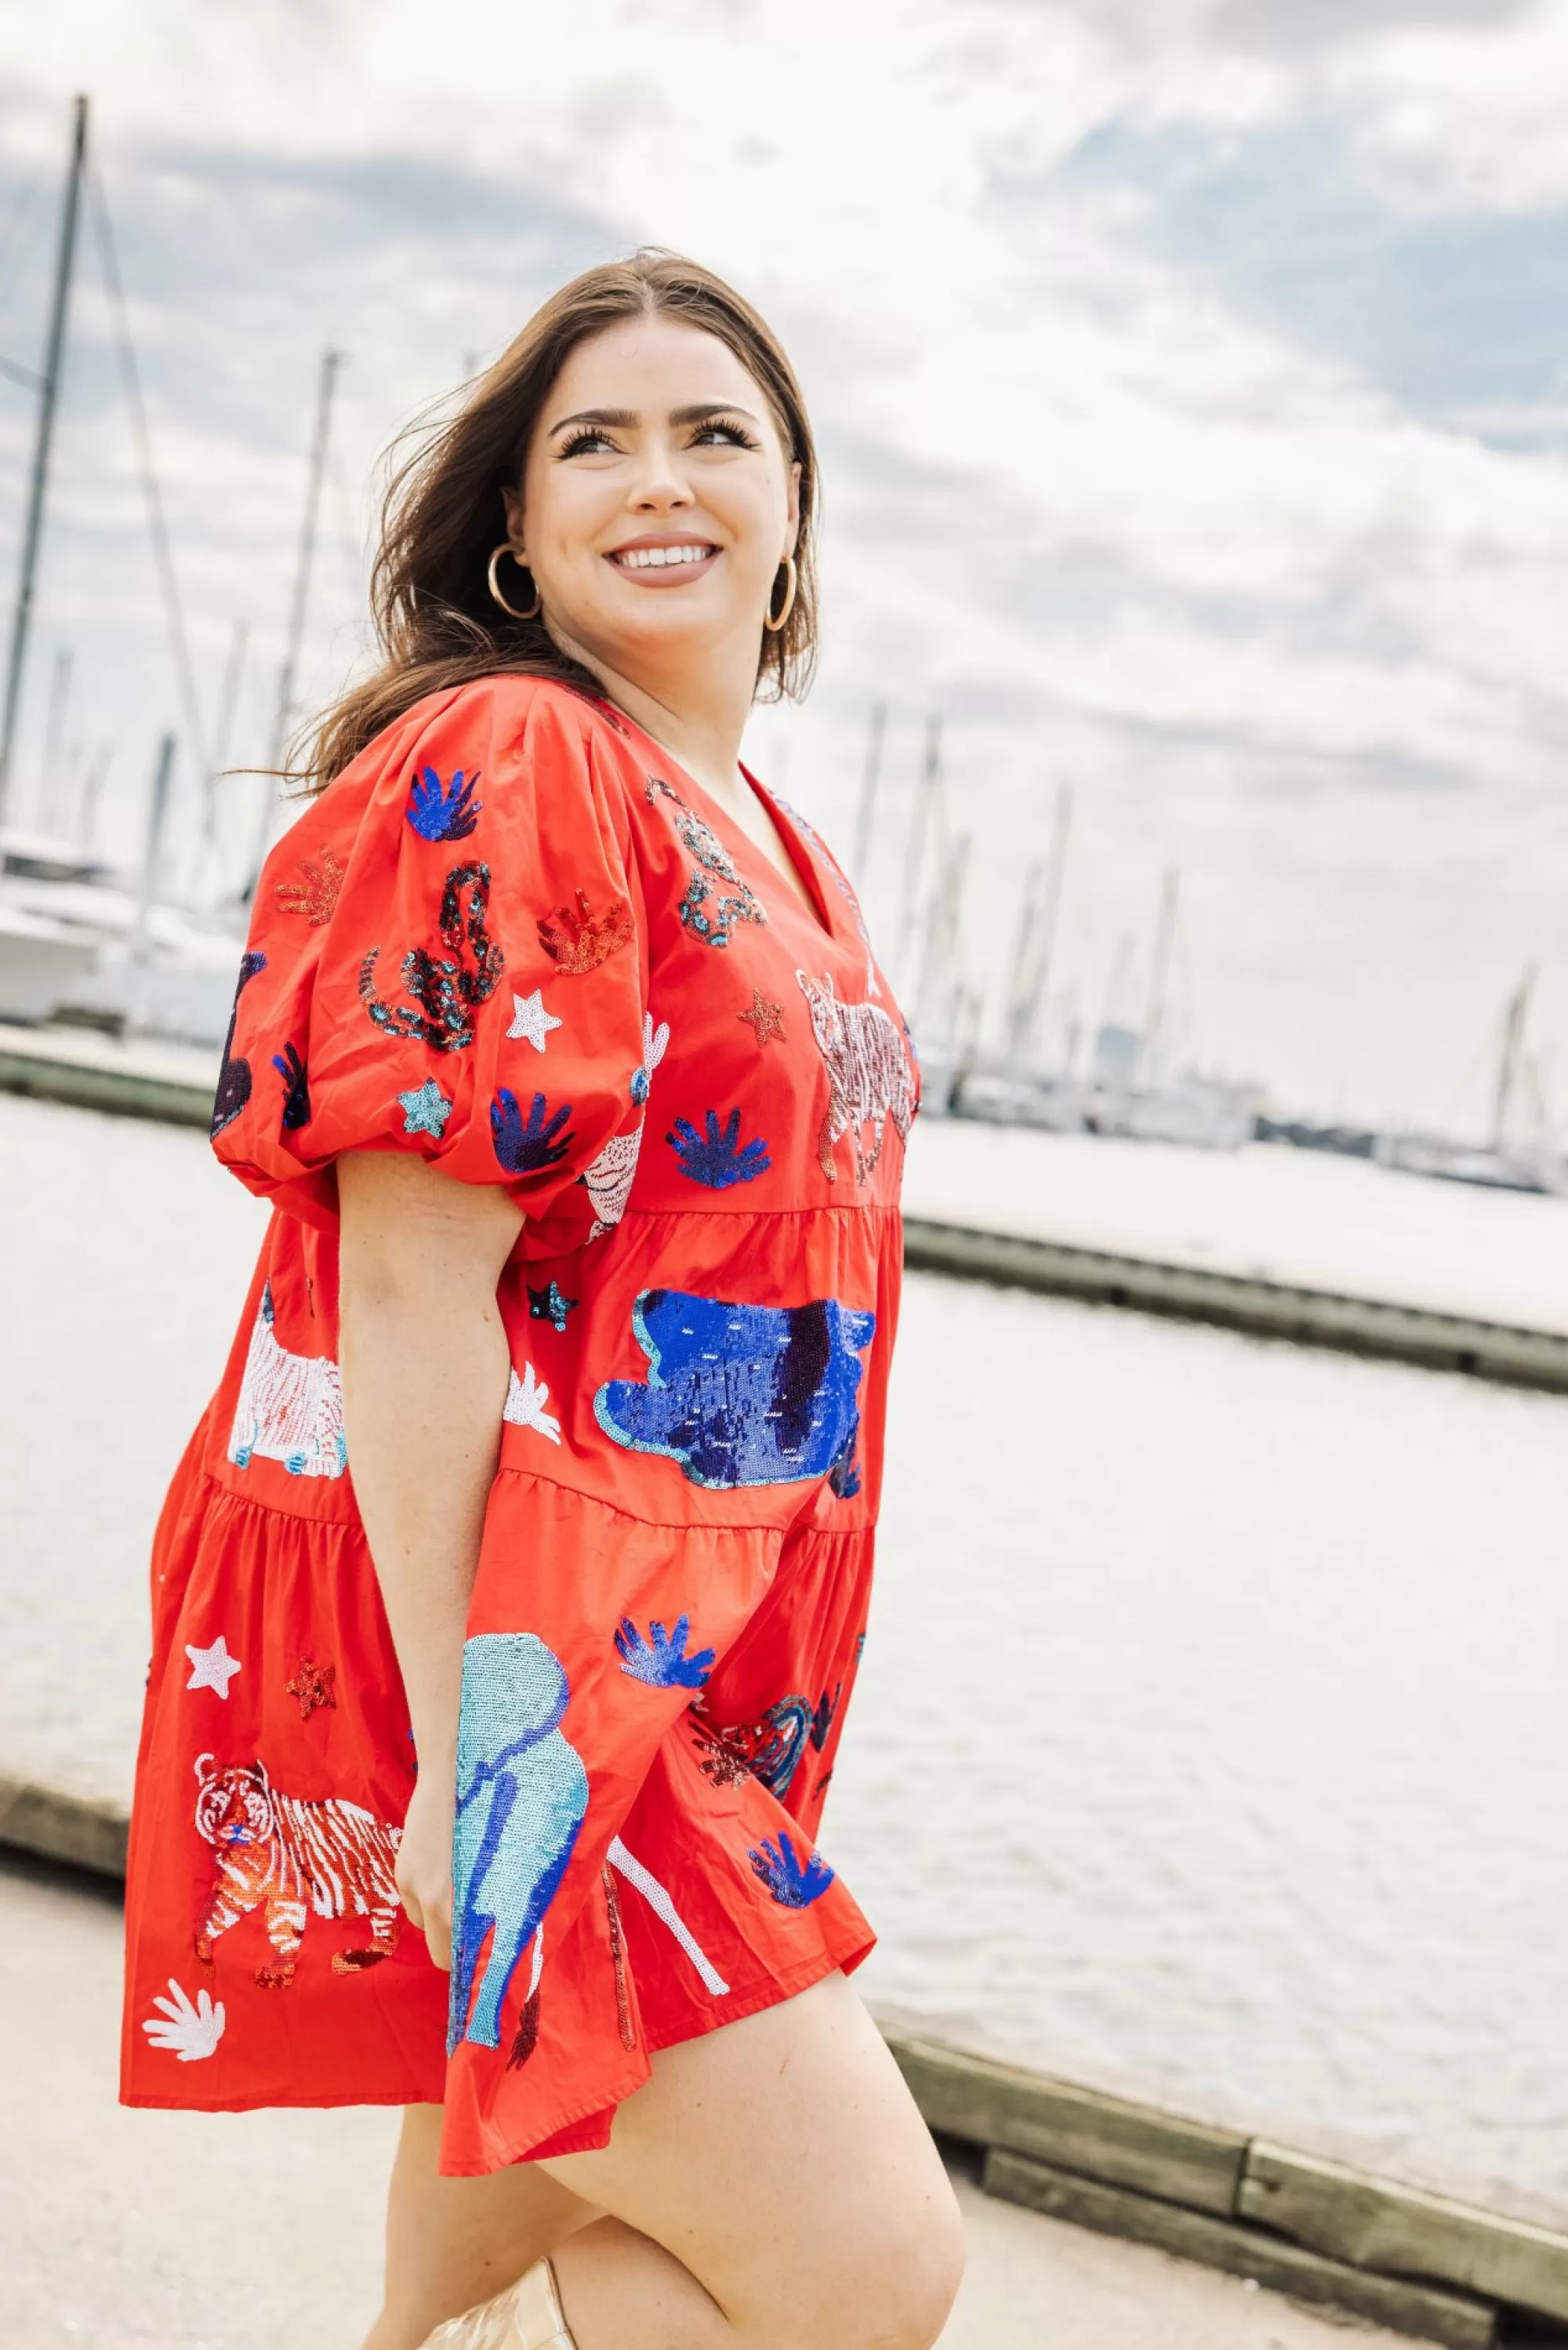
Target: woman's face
[(657, 502)]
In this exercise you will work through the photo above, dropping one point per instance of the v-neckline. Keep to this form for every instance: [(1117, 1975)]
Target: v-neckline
[(818, 912)]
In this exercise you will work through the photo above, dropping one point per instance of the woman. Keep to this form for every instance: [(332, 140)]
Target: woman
[(560, 1050)]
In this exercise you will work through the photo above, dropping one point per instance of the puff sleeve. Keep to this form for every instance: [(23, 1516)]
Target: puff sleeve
[(447, 955)]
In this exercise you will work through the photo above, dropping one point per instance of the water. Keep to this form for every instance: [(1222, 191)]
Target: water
[(1209, 1742)]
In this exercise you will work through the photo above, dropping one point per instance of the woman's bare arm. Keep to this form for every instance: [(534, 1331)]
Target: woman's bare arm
[(425, 1364)]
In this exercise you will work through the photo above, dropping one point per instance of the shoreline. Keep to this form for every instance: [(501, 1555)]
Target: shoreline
[(172, 1086)]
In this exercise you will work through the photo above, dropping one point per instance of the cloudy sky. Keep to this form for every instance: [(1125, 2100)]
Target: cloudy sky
[(1192, 383)]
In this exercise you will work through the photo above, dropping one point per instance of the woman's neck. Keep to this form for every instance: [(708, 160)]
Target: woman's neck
[(699, 722)]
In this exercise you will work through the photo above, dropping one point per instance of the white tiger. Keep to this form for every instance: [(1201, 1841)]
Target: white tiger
[(867, 1072), (334, 1857), (290, 1406)]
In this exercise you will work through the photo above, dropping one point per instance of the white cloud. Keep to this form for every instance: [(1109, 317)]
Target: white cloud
[(1268, 621)]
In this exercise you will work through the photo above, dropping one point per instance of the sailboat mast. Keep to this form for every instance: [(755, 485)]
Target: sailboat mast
[(299, 602), (48, 398), (1158, 978), (869, 777), (1507, 1059)]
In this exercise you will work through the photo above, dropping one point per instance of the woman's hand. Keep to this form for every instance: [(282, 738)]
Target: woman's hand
[(424, 1862)]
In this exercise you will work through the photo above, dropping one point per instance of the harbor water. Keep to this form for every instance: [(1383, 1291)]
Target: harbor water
[(1210, 1738)]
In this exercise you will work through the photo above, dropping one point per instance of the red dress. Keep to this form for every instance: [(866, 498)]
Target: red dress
[(513, 938)]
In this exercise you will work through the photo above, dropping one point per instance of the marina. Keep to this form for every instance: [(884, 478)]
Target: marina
[(1206, 1743)]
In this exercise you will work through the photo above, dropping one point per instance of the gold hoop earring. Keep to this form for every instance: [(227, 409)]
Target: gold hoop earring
[(506, 547), (773, 622)]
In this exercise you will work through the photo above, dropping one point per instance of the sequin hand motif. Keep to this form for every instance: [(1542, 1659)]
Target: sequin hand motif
[(742, 1395), (295, 1089), (235, 1076), (715, 1158), (443, 813), (655, 1045), (522, 1799), (662, 1659), (524, 1147), (711, 921), (577, 940), (796, 1883), (448, 989), (314, 894)]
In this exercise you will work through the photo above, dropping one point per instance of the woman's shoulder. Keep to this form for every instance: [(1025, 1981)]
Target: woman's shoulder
[(502, 716)]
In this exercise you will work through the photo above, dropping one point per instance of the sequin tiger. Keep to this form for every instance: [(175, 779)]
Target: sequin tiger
[(867, 1072), (294, 1856)]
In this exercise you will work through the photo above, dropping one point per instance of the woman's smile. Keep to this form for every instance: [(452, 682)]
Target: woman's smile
[(664, 559)]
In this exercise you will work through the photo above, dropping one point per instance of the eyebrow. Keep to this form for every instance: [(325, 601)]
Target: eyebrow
[(698, 412)]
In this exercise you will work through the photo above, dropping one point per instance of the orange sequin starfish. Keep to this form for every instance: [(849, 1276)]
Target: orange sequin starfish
[(765, 1019), (312, 1685)]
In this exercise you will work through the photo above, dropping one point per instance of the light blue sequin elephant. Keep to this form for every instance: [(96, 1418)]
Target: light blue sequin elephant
[(522, 1797)]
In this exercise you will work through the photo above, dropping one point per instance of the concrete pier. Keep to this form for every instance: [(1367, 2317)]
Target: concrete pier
[(187, 2231)]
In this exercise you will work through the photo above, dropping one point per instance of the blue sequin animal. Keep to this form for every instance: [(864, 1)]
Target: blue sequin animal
[(716, 1158), (442, 814), (662, 1659), (522, 1147), (522, 1798), (742, 1395), (235, 1076), (794, 1882)]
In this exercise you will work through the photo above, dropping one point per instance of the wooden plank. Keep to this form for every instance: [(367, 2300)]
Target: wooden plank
[(1265, 1309), (996, 2104), (125, 1092), (1424, 2311), (80, 1830), (1378, 2224)]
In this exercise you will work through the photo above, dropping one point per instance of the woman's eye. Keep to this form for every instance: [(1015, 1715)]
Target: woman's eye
[(587, 443), (719, 432)]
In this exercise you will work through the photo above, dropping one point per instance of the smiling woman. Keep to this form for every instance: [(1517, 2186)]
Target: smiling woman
[(546, 1453)]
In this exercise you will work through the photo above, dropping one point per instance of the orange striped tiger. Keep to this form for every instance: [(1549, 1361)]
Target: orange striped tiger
[(294, 1856)]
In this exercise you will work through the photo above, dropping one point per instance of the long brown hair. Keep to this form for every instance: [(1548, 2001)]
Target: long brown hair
[(435, 620)]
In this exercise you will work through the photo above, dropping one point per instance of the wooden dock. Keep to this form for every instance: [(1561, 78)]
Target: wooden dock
[(1418, 2263)]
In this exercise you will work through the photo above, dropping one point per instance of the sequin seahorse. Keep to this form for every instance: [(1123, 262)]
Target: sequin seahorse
[(447, 989)]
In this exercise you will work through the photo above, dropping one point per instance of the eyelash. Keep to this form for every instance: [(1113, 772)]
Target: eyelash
[(587, 435)]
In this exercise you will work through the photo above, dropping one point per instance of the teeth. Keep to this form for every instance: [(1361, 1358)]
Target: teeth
[(647, 558)]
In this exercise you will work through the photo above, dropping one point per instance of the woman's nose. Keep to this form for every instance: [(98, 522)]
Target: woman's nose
[(660, 484)]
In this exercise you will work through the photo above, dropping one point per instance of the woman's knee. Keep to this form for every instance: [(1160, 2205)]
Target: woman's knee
[(898, 2290)]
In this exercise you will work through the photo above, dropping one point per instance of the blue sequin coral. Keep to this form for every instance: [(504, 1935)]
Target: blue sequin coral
[(524, 1147), (716, 1158), (794, 1882), (522, 1798), (443, 813), (742, 1395), (662, 1659)]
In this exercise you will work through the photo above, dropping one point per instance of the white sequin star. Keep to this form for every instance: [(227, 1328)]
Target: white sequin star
[(212, 1668), (530, 1019)]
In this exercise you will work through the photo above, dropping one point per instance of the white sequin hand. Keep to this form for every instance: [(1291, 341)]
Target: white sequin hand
[(189, 2033)]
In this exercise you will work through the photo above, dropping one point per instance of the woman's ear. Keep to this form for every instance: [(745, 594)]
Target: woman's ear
[(512, 502), (791, 509)]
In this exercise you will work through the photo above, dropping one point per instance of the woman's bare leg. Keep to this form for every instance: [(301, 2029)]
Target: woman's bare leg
[(453, 2242), (772, 2188)]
